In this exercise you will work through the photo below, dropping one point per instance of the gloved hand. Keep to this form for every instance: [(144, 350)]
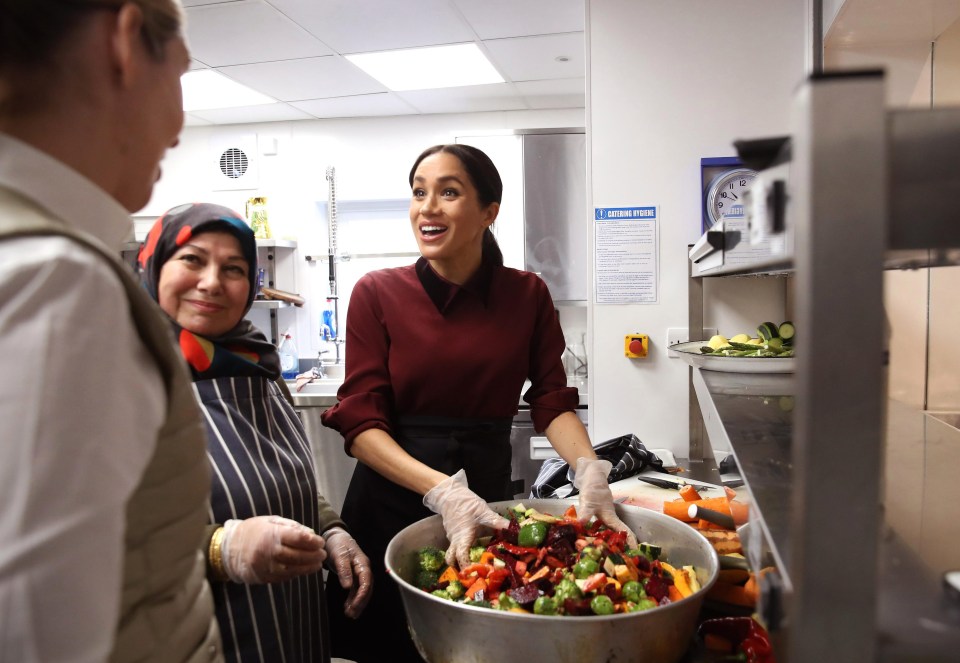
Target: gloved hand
[(462, 511), (266, 549), (352, 567), (595, 496)]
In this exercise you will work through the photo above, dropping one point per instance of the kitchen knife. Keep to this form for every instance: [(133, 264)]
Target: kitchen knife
[(670, 481)]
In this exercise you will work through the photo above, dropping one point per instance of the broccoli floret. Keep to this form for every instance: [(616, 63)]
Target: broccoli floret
[(506, 602), (431, 559), (441, 593), (479, 604), (476, 552), (426, 579), (455, 589)]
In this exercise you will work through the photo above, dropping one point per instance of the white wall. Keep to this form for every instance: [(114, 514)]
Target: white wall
[(669, 83), (372, 158)]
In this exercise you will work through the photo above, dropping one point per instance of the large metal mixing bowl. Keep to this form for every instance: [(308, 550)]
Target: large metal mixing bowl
[(447, 632)]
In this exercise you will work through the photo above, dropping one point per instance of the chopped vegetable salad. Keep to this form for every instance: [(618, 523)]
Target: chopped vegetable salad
[(549, 565)]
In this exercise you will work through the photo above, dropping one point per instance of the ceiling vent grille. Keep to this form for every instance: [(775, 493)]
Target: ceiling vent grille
[(234, 162)]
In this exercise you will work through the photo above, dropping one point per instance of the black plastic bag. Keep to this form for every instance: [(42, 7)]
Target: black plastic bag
[(627, 454)]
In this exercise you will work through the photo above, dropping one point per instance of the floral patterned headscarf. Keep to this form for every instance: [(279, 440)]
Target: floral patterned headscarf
[(242, 351)]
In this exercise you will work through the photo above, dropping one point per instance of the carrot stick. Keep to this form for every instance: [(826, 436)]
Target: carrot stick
[(678, 508), (733, 594), (689, 494)]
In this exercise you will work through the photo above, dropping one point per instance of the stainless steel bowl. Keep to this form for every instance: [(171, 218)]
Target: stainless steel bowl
[(447, 632)]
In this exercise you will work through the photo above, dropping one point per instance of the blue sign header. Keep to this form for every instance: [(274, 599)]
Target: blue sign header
[(616, 213)]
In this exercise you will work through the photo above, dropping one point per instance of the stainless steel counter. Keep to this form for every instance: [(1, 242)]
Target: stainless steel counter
[(751, 417)]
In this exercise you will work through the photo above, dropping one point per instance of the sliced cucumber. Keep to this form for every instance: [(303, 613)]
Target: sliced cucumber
[(768, 330), (787, 330)]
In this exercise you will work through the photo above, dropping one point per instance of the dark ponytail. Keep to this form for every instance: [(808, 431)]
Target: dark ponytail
[(485, 179)]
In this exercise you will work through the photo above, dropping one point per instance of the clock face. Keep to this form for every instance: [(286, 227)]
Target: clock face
[(725, 196)]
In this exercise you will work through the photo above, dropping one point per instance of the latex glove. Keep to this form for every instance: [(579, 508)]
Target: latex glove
[(266, 549), (352, 568), (463, 511), (595, 496)]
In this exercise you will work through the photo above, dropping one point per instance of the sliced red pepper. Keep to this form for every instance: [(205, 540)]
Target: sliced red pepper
[(495, 580), (517, 550), (553, 562), (475, 570)]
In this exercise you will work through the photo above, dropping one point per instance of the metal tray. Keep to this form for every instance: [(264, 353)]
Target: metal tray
[(690, 354)]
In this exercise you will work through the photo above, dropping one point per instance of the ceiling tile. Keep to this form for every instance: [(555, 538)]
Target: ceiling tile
[(310, 78), (245, 32), (239, 115), (535, 58), (366, 105), (473, 99), (378, 25), (862, 22), (190, 120), (492, 19), (556, 93)]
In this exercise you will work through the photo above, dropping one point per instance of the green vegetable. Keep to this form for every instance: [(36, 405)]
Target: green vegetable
[(566, 589), (592, 552), (507, 602), (475, 553), (585, 566), (787, 331), (532, 534), (633, 591), (768, 330), (441, 593), (431, 559), (546, 605), (479, 604), (455, 589), (426, 579), (601, 605), (643, 604), (649, 550)]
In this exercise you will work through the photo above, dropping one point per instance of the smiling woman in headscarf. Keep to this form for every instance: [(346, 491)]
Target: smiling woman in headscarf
[(264, 554)]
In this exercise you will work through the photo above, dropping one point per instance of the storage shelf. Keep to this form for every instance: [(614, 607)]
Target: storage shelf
[(270, 303), (276, 244), (743, 415)]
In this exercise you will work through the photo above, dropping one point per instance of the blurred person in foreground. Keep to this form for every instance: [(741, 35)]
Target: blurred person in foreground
[(270, 530), (104, 478), (436, 358)]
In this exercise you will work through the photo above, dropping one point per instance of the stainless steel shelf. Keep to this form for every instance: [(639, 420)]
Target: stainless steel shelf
[(270, 303), (747, 415)]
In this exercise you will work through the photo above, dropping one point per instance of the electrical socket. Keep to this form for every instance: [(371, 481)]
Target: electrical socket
[(681, 335)]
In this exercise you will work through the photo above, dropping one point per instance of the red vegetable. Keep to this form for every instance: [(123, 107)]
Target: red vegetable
[(744, 634)]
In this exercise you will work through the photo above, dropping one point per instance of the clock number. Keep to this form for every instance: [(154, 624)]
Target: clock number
[(742, 183)]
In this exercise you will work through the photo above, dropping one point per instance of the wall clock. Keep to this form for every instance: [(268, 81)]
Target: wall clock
[(724, 180)]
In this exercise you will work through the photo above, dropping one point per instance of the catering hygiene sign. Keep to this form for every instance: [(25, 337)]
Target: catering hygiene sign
[(626, 248)]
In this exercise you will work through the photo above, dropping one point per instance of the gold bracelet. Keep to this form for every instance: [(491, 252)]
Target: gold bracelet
[(215, 556)]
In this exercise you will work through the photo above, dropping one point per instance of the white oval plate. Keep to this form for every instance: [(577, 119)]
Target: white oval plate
[(690, 354)]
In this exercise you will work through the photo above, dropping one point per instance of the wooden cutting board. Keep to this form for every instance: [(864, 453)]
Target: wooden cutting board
[(283, 296)]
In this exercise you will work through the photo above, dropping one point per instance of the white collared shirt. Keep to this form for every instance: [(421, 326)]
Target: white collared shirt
[(81, 401)]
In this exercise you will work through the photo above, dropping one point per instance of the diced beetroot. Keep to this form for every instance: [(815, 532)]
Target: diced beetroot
[(656, 587), (643, 564), (560, 532), (577, 607), (525, 594)]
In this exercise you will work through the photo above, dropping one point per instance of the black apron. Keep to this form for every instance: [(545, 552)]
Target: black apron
[(375, 509)]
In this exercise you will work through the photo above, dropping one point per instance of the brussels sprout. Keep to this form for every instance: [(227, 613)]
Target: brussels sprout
[(532, 534), (506, 602), (601, 605), (566, 589), (633, 591), (546, 605), (585, 566)]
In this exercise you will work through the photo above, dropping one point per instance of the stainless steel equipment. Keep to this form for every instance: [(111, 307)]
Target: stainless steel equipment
[(530, 449), (447, 631), (334, 466)]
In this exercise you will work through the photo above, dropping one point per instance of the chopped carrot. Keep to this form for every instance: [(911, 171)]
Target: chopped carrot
[(571, 512), (689, 494), (731, 493), (733, 576), (678, 508), (479, 586), (716, 643), (487, 557), (751, 588), (739, 511), (674, 594), (449, 575), (733, 594)]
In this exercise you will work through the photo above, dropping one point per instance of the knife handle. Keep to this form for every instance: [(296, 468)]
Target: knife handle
[(715, 517)]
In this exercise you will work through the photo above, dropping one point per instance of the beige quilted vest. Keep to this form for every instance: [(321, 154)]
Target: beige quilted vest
[(166, 611)]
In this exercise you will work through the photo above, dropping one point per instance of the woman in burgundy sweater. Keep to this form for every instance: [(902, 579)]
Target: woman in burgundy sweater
[(436, 357)]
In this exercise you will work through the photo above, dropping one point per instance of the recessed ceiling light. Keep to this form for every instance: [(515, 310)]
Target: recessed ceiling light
[(428, 68), (562, 58), (206, 89)]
